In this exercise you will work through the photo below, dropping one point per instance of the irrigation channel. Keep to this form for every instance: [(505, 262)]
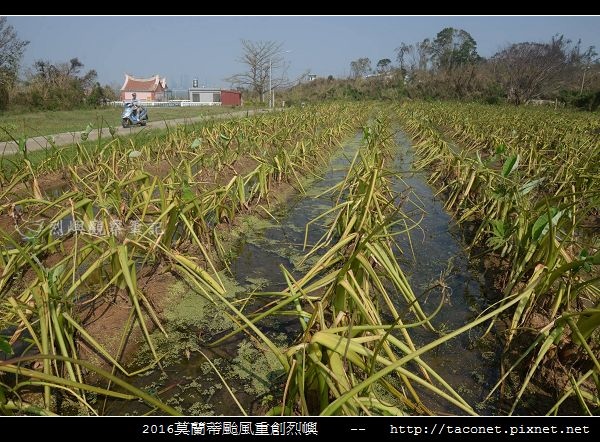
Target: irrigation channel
[(432, 254)]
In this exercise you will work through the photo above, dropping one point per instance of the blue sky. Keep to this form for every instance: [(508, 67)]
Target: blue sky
[(183, 48)]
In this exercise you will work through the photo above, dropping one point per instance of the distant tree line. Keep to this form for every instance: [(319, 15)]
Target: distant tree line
[(449, 67), (445, 67), (60, 86), (46, 85)]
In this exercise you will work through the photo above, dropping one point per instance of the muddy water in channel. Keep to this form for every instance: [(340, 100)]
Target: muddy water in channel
[(435, 248)]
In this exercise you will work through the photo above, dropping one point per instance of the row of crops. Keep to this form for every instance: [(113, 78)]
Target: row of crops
[(529, 181)]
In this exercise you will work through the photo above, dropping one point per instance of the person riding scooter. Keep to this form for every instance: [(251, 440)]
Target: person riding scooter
[(135, 104), (134, 113)]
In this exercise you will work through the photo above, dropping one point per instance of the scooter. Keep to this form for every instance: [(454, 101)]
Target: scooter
[(131, 118)]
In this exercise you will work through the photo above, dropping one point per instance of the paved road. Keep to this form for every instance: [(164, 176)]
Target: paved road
[(37, 143)]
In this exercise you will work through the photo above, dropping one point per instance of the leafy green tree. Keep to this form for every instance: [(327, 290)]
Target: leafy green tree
[(384, 65), (57, 86), (452, 48), (97, 96), (11, 52)]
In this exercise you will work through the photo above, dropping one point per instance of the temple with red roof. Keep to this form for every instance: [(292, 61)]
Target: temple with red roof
[(146, 89)]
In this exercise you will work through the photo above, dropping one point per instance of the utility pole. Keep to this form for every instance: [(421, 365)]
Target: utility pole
[(270, 79), (271, 91), (583, 79)]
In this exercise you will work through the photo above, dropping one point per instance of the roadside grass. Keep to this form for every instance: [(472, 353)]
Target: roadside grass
[(54, 122), (10, 162)]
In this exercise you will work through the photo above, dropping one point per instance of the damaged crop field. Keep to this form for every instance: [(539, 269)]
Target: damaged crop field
[(349, 258)]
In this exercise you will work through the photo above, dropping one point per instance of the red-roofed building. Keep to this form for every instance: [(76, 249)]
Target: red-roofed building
[(146, 89)]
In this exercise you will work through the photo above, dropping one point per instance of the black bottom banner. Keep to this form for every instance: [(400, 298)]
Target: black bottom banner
[(573, 428)]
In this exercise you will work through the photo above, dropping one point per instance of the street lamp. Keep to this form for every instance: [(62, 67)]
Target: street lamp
[(271, 92)]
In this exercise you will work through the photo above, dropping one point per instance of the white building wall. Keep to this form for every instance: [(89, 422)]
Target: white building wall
[(205, 96), (142, 96)]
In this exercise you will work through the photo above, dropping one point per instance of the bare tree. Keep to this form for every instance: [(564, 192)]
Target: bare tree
[(582, 63), (360, 67), (402, 52), (412, 57), (422, 55), (261, 58), (63, 75), (528, 70), (11, 52)]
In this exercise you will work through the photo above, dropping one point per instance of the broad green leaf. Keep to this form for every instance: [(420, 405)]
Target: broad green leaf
[(55, 273), (588, 322), (499, 228), (541, 226), (510, 165), (529, 186), (5, 346), (23, 145), (186, 194)]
